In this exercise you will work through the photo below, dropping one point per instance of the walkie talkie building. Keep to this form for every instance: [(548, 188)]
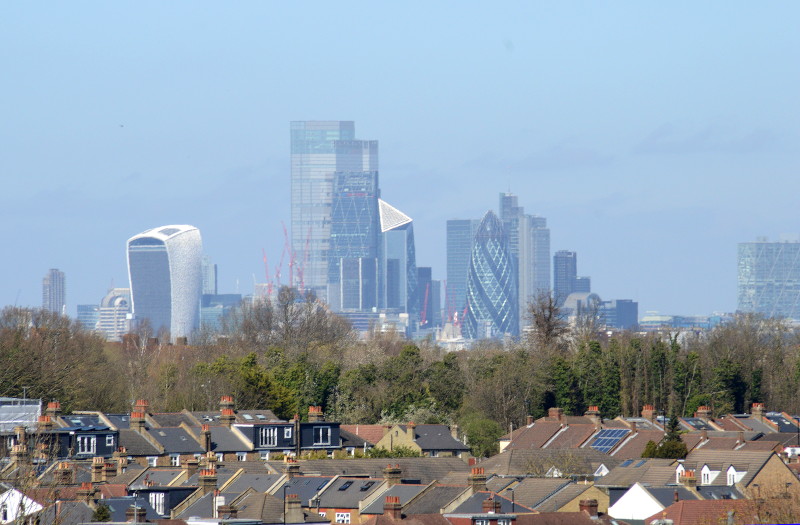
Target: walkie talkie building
[(164, 268)]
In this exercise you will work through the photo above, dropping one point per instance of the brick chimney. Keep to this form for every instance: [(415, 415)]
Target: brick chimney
[(315, 414), (555, 413), (208, 480), (758, 411), (86, 493), (21, 436), (490, 506), (53, 410), (98, 470), (649, 413), (191, 466), (594, 414), (291, 467), (589, 506), (688, 479), (137, 422), (45, 424), (205, 437), (477, 479), (227, 511), (740, 437), (454, 431), (634, 430), (228, 417), (110, 469), (529, 420), (226, 402), (412, 430), (392, 508), (135, 514), (294, 510), (64, 474), (392, 474), (703, 412), (19, 454)]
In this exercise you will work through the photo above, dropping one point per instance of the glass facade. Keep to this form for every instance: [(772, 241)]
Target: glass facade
[(460, 235), (354, 243), (319, 149), (399, 260), (492, 304), (769, 278), (54, 294), (565, 272)]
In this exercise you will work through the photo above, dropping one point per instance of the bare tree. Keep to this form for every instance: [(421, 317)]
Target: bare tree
[(549, 328)]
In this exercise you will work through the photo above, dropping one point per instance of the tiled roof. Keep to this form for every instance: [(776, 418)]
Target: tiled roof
[(345, 493), (349, 439), (632, 447), (258, 481), (136, 445), (424, 469), (572, 437), (579, 461), (561, 497), (176, 440), (533, 436), (650, 471), (534, 491), (751, 461), (173, 419), (405, 492), (434, 499), (370, 433), (437, 437)]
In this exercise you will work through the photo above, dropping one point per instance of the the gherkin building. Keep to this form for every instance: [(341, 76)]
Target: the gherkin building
[(491, 284)]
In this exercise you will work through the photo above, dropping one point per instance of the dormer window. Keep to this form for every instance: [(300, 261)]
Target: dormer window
[(87, 444), (322, 435)]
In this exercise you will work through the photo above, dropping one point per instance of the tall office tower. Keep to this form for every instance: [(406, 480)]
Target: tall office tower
[(582, 285), (113, 318), (164, 267), (769, 278), (209, 271), (54, 292), (460, 236), (565, 272), (529, 247), (88, 316), (492, 304), (428, 298), (319, 150), (398, 281), (353, 267)]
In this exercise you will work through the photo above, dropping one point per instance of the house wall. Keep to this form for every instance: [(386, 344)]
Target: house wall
[(591, 493), (397, 437), (635, 504), (15, 505), (772, 479)]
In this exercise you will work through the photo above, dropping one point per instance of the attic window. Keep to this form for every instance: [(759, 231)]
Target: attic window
[(248, 417), (346, 485), (366, 486)]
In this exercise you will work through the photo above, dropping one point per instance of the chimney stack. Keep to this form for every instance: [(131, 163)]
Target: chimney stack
[(649, 413), (228, 417), (53, 410), (45, 424), (85, 493), (208, 480), (19, 454), (703, 412), (740, 438), (594, 414), (392, 474), (226, 402), (294, 510), (65, 474), (555, 413), (315, 414), (589, 506), (98, 470), (477, 479), (191, 466), (21, 436), (529, 420), (135, 514), (412, 430), (703, 435), (758, 411), (205, 437), (392, 508), (110, 470), (490, 506), (291, 468), (137, 422)]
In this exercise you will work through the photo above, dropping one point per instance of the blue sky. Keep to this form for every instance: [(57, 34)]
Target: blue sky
[(653, 137)]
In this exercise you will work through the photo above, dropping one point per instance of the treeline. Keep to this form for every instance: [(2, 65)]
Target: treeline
[(293, 353)]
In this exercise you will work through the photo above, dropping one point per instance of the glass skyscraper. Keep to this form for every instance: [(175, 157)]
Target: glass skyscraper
[(399, 260), (769, 278), (54, 292), (164, 268), (353, 267), (319, 149), (492, 304), (565, 273), (460, 235)]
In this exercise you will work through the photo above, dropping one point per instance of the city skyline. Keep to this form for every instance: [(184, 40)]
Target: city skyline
[(608, 121)]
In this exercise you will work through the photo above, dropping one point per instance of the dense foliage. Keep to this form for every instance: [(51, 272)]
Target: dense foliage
[(294, 353)]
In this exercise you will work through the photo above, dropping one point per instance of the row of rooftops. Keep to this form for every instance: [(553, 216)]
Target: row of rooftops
[(627, 437)]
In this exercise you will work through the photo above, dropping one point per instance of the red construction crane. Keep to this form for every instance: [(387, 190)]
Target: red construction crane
[(266, 274), (423, 318)]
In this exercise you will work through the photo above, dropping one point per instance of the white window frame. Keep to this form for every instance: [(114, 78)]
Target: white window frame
[(174, 461), (268, 437), (220, 456), (157, 502), (287, 433), (152, 461), (241, 456), (320, 433), (342, 517), (86, 444), (110, 440), (264, 455)]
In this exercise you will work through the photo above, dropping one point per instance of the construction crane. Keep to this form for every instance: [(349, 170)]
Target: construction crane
[(266, 274), (423, 318)]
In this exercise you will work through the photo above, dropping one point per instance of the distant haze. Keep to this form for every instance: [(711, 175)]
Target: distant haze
[(653, 137)]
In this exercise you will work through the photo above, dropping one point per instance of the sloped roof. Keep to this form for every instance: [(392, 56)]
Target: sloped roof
[(651, 471), (750, 461), (573, 436), (534, 435), (349, 439), (632, 448), (474, 504), (434, 499), (424, 469), (391, 217), (258, 481), (436, 437), (562, 496), (176, 440), (370, 433), (136, 445), (405, 492), (345, 493), (579, 461), (173, 419), (702, 512), (534, 491)]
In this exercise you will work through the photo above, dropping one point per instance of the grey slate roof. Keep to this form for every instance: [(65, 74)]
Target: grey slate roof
[(176, 440), (532, 492), (424, 469), (69, 513), (562, 496), (719, 492), (204, 506), (159, 476), (258, 481), (650, 471), (224, 439), (119, 507), (576, 461), (174, 419), (434, 499), (352, 440), (474, 504), (345, 493), (437, 437), (666, 495), (121, 421), (135, 444), (306, 487), (405, 492)]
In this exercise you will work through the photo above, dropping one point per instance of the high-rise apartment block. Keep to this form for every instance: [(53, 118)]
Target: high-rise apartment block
[(565, 276), (209, 271), (769, 278), (320, 149), (164, 268), (529, 247), (492, 304), (54, 292)]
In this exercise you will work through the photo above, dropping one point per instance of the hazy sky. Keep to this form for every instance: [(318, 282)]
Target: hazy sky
[(653, 137)]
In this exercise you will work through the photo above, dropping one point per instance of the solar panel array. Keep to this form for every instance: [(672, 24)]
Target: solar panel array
[(608, 439)]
